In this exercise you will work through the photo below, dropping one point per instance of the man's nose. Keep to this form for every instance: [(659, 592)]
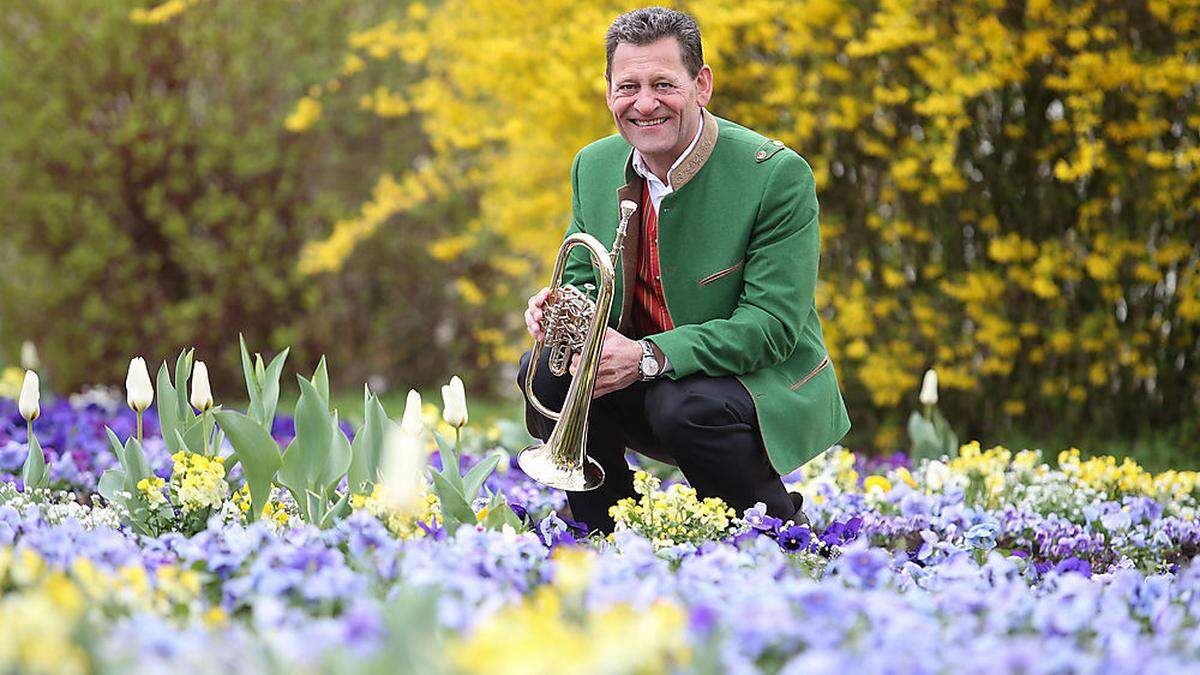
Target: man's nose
[(646, 103)]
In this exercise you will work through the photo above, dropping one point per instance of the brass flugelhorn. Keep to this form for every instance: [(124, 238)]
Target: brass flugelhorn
[(573, 322)]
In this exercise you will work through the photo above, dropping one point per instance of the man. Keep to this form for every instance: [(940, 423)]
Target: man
[(713, 357)]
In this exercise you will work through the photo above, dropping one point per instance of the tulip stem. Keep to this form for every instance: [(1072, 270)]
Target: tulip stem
[(139, 418), (458, 441)]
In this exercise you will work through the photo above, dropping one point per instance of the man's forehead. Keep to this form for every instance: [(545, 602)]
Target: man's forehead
[(663, 57)]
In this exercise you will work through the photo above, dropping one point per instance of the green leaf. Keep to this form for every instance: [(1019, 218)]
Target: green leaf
[(367, 446), (183, 371), (455, 509), (339, 510), (305, 460), (258, 453), (500, 514), (136, 466), (321, 381), (193, 434), (253, 383), (270, 387), (316, 507), (115, 445), (450, 468), (478, 474), (34, 473), (168, 409), (112, 482), (338, 459)]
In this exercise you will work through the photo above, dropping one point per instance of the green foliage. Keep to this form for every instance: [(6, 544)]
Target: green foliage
[(154, 198), (930, 435), (455, 492), (34, 473)]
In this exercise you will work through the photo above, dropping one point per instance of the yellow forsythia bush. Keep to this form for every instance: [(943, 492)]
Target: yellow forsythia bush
[(1008, 188)]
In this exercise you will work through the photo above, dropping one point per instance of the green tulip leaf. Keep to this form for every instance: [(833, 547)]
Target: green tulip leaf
[(368, 446), (321, 381), (168, 409), (478, 474), (258, 453), (455, 509), (338, 458), (34, 473)]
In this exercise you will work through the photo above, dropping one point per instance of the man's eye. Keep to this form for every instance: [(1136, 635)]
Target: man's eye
[(663, 86), (626, 87)]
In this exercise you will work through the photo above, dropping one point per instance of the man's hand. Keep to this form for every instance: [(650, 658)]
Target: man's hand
[(618, 363), (533, 314)]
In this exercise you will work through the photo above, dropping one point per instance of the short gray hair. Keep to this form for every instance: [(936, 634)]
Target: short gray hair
[(650, 24)]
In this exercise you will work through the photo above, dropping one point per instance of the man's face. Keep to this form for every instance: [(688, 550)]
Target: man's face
[(654, 101)]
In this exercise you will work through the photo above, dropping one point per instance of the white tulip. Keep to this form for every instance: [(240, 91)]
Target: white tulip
[(402, 467), (929, 388), (29, 356), (454, 403), (28, 403), (201, 391), (411, 421), (139, 392)]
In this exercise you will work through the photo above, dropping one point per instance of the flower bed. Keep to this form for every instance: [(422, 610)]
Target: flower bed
[(987, 561)]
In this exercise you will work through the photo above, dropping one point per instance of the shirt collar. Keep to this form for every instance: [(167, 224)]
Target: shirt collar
[(639, 164)]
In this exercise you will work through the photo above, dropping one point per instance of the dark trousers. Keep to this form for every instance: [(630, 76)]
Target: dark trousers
[(706, 426)]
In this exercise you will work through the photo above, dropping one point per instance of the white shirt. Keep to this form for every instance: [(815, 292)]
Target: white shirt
[(657, 189)]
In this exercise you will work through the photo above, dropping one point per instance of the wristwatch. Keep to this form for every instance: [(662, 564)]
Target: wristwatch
[(648, 367)]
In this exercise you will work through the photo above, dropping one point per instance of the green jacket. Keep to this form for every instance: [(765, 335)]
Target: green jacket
[(739, 245)]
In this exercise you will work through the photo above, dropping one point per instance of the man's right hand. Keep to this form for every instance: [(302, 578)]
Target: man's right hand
[(533, 313)]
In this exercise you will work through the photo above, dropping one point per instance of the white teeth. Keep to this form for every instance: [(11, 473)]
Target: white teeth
[(649, 123)]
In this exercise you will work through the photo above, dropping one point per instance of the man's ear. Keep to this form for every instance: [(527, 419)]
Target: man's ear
[(704, 85), (608, 89)]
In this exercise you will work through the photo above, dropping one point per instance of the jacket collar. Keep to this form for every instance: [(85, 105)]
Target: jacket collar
[(691, 163)]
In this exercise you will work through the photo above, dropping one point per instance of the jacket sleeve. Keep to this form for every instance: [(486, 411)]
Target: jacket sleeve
[(778, 282), (578, 270)]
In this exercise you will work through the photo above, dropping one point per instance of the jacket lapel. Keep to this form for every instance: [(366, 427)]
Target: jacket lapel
[(631, 251)]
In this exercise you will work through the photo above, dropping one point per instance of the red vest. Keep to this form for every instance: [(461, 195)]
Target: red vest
[(650, 314)]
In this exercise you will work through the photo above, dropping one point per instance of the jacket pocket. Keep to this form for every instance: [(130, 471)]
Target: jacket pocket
[(721, 273), (811, 374)]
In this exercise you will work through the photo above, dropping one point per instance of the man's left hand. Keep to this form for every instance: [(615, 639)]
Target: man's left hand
[(618, 363)]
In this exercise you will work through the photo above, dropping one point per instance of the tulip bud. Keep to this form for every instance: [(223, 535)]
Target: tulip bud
[(402, 467), (929, 393), (139, 392), (28, 403), (201, 392), (411, 421), (29, 356), (454, 403)]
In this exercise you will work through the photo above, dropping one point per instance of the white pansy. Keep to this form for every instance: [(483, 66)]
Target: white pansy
[(454, 403), (139, 392), (929, 388), (936, 475), (30, 394), (201, 391)]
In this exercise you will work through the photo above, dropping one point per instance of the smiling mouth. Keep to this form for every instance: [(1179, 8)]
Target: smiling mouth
[(649, 123)]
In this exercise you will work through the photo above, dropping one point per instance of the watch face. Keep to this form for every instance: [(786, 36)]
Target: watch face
[(649, 367)]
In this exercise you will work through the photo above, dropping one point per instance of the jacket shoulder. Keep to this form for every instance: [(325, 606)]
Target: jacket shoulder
[(609, 149), (750, 147)]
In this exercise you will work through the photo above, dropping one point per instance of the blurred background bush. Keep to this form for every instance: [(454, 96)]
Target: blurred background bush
[(1008, 190)]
